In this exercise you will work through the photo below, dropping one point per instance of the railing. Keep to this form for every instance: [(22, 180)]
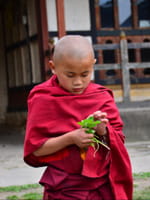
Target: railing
[(125, 66)]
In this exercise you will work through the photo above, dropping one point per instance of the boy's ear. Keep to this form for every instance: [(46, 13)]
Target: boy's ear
[(95, 60), (52, 66)]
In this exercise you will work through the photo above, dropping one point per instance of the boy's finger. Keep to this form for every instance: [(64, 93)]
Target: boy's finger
[(105, 120), (97, 113), (100, 115), (103, 114)]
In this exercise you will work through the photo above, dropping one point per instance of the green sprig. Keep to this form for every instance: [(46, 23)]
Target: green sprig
[(89, 123)]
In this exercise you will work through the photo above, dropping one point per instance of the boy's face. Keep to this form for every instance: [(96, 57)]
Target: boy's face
[(74, 75)]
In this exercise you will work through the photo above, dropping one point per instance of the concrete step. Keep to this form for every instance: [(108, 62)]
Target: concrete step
[(138, 92)]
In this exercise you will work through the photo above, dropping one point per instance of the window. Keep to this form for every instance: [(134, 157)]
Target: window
[(124, 7), (145, 52), (122, 13), (143, 13), (108, 55), (106, 13), (131, 53)]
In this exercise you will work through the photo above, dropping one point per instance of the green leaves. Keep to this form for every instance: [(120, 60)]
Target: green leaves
[(89, 123)]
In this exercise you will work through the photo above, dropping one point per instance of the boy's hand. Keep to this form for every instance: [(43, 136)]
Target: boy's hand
[(101, 128), (81, 138)]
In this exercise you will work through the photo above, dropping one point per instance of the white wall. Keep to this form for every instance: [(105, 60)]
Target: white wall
[(77, 15), (51, 15)]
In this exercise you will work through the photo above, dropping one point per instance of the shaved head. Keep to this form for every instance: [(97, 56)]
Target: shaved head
[(73, 63), (72, 46)]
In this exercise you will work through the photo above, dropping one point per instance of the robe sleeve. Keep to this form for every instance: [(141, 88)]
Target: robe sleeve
[(38, 130), (120, 168)]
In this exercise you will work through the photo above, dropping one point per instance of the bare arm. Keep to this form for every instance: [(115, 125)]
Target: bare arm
[(52, 145)]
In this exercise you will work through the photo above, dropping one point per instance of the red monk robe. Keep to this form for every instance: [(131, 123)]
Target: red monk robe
[(52, 111)]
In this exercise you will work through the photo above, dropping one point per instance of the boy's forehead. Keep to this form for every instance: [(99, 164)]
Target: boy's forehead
[(76, 65)]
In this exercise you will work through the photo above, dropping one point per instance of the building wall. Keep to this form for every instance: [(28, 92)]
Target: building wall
[(19, 57), (20, 64), (113, 17), (21, 51)]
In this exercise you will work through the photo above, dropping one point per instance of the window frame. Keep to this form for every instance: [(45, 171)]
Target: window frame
[(134, 17)]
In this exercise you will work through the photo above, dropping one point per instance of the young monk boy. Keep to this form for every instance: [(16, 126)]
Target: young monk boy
[(56, 140)]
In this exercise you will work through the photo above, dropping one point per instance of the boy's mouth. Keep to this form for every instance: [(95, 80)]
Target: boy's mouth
[(78, 90)]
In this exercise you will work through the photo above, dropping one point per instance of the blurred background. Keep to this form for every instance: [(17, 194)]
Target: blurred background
[(119, 31)]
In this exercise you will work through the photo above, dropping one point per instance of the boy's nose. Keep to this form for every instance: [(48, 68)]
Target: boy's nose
[(77, 81)]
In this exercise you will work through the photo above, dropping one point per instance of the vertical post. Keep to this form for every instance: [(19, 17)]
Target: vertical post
[(93, 20), (25, 23), (134, 9), (116, 14), (42, 27), (97, 14), (124, 67), (60, 18)]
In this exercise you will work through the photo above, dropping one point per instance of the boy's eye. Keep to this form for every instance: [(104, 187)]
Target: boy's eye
[(70, 75), (84, 74)]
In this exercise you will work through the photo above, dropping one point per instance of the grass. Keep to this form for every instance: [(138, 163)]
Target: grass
[(28, 196), (24, 188), (143, 194), (141, 175), (19, 188)]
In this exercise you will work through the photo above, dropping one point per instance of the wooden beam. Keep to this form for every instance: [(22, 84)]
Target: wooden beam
[(134, 9), (125, 69), (60, 18), (43, 38), (116, 14)]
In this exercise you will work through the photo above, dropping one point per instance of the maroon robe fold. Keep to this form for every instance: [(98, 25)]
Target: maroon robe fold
[(52, 111)]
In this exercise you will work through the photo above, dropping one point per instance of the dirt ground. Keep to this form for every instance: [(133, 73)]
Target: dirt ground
[(142, 183)]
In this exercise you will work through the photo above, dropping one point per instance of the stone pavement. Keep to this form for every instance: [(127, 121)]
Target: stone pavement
[(139, 153), (13, 170)]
